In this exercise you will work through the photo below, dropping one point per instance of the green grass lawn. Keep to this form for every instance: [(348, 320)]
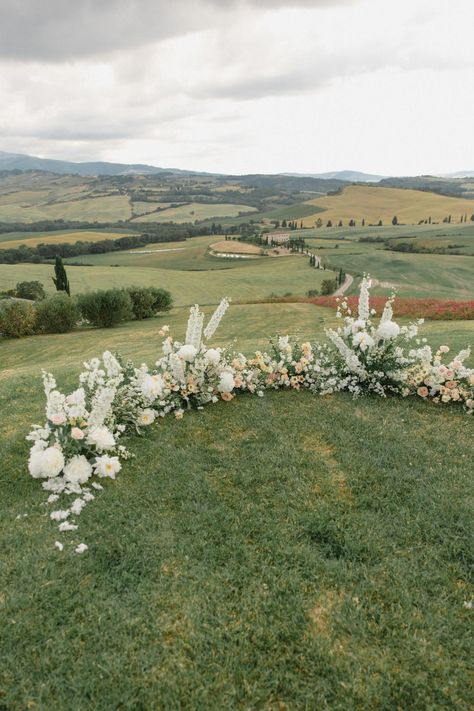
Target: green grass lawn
[(278, 553)]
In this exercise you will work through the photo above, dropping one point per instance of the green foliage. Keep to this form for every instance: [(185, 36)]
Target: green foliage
[(33, 290), (147, 301), (162, 299), (328, 286), (17, 319), (61, 282), (395, 220), (143, 302), (106, 308), (58, 314)]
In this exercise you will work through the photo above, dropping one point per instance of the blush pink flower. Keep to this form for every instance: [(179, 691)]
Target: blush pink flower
[(77, 433), (58, 419), (422, 392)]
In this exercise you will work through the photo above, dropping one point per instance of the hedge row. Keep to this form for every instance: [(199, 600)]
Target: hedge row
[(102, 309)]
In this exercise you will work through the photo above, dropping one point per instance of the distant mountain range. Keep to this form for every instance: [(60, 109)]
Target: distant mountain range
[(21, 161)]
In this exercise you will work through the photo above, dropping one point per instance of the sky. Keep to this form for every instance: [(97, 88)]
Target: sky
[(241, 86)]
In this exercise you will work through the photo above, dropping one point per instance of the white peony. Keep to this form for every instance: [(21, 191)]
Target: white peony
[(213, 356), (101, 438), (363, 340), (46, 463), (153, 386), (283, 342), (107, 466), (146, 416), (226, 382), (388, 330), (187, 352), (77, 470)]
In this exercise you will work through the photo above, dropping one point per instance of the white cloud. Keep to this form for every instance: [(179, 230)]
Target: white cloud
[(251, 86)]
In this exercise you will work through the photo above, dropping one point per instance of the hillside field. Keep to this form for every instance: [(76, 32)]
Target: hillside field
[(195, 211), (374, 204), (256, 279), (11, 240)]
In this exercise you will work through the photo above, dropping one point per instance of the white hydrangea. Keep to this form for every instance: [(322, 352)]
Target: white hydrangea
[(187, 352), (226, 381), (213, 356), (388, 329), (152, 386)]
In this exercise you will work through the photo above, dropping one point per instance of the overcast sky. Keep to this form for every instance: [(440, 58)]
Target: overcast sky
[(241, 86)]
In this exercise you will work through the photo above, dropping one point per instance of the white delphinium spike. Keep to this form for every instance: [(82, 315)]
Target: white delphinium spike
[(177, 368), (462, 355), (194, 328), (101, 406), (350, 358), (216, 318), (364, 298), (49, 382), (387, 312)]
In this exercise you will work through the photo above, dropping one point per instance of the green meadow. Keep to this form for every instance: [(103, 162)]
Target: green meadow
[(184, 273), (446, 276), (282, 552)]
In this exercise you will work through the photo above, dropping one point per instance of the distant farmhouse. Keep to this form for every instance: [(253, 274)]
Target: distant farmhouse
[(278, 236)]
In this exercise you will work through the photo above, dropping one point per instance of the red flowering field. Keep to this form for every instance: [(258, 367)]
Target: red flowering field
[(435, 309)]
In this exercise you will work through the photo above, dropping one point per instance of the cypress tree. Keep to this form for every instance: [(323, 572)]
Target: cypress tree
[(61, 282)]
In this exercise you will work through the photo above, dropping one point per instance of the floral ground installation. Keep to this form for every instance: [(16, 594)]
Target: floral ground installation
[(79, 445)]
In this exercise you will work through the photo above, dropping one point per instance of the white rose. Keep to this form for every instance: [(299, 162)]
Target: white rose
[(388, 330), (146, 417), (101, 438), (153, 386), (283, 342), (187, 352), (226, 382), (77, 470), (46, 464), (213, 356), (107, 466)]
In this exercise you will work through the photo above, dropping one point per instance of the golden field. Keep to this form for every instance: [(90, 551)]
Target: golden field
[(373, 204)]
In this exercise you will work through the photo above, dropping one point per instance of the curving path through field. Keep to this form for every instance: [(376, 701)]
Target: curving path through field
[(344, 287)]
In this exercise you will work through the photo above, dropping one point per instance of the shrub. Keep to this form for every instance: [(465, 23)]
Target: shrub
[(163, 299), (106, 308), (143, 302), (33, 290), (17, 319), (58, 314), (328, 286)]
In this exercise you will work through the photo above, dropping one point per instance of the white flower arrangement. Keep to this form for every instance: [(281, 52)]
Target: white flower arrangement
[(81, 438)]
